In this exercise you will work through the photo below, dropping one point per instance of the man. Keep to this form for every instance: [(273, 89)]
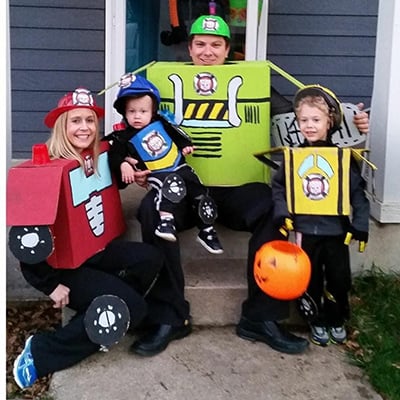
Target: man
[(246, 207)]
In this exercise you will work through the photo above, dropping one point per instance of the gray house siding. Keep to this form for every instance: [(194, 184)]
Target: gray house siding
[(56, 46), (331, 43)]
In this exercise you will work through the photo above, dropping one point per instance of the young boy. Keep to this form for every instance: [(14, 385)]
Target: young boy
[(323, 234), (152, 141)]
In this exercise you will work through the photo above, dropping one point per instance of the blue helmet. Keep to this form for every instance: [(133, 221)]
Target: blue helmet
[(132, 86)]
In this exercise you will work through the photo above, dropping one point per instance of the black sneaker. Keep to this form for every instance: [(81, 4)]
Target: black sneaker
[(166, 230), (209, 240)]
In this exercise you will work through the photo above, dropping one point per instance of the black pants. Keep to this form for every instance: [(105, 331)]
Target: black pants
[(330, 278), (244, 208), (139, 263), (194, 191)]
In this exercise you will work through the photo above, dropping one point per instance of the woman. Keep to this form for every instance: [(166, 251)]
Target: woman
[(120, 270)]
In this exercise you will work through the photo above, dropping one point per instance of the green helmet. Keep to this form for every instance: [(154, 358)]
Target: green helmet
[(210, 25)]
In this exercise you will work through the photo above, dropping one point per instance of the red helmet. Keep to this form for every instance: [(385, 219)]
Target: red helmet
[(282, 270), (80, 98)]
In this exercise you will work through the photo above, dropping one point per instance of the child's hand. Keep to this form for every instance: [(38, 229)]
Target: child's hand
[(127, 172), (355, 234), (187, 150)]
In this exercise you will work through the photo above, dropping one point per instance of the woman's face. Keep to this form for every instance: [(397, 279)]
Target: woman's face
[(208, 50), (81, 128)]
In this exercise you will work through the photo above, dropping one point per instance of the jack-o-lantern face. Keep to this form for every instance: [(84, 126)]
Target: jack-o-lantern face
[(282, 270)]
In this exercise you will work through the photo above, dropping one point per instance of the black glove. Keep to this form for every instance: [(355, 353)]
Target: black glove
[(355, 234), (285, 225)]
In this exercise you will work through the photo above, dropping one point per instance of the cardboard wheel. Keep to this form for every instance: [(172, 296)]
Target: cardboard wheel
[(307, 307), (31, 244), (107, 320)]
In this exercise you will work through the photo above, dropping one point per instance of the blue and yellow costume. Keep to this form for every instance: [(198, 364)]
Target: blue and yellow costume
[(157, 147)]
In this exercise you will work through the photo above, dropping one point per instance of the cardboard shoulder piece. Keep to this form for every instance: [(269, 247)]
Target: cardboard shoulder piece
[(61, 212), (317, 178), (285, 130), (225, 109)]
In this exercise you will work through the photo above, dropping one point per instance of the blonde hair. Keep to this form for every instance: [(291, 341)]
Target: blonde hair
[(314, 101), (60, 147)]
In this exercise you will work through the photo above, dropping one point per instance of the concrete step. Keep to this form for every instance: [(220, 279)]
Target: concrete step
[(215, 285), (215, 289)]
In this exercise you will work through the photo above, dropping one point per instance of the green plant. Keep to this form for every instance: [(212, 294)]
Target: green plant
[(374, 343)]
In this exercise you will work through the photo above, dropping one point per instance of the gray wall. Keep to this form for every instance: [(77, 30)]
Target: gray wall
[(56, 46), (326, 42), (59, 45)]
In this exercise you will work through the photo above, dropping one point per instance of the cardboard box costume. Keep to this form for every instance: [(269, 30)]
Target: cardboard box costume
[(317, 178), (225, 109), (78, 208)]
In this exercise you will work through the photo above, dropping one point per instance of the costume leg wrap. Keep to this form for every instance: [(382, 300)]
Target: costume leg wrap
[(174, 188), (107, 320), (307, 307), (207, 209)]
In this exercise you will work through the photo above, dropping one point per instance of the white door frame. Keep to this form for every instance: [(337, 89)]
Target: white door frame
[(115, 28), (256, 30)]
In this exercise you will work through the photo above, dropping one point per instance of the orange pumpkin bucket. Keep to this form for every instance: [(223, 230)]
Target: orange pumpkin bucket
[(282, 270)]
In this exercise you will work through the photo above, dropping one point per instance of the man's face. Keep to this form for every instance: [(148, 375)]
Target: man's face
[(208, 50)]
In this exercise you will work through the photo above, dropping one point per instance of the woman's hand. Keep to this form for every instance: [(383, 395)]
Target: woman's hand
[(60, 296), (141, 177)]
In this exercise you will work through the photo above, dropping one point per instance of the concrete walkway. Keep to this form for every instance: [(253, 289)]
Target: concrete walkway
[(213, 363)]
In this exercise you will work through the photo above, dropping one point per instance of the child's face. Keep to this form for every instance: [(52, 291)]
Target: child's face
[(139, 112), (314, 123)]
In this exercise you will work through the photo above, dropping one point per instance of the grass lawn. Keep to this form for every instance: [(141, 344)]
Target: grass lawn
[(374, 343)]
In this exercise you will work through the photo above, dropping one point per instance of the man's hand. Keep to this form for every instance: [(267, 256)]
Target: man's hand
[(361, 119), (60, 296)]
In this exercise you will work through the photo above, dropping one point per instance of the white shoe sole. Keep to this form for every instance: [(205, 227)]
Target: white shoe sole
[(166, 236), (208, 248)]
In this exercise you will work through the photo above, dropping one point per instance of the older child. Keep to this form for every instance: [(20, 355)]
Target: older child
[(323, 237), (151, 141)]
